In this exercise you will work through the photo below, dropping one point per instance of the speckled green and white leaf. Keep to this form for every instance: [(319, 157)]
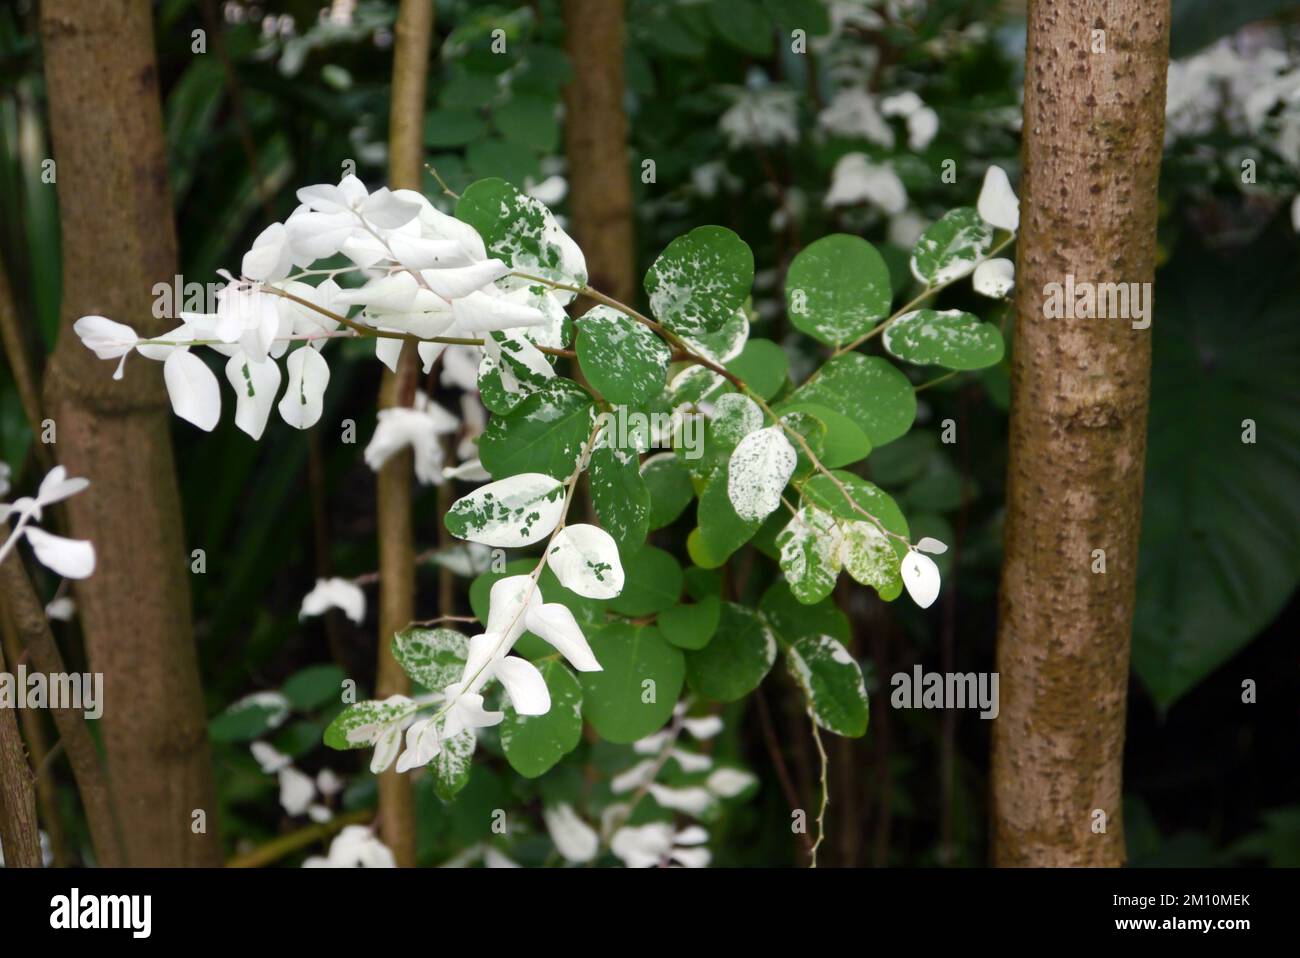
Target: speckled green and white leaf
[(734, 417), (736, 659), (585, 559), (700, 280), (511, 368), (810, 554), (535, 743), (837, 288), (523, 232), (870, 390), (622, 359), (832, 682), (433, 657), (357, 726), (725, 343), (450, 768), (952, 247), (692, 385), (555, 333), (544, 433), (825, 492), (871, 559), (620, 495), (760, 467), (948, 338), (510, 513)]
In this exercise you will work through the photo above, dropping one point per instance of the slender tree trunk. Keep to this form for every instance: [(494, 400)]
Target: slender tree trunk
[(595, 134), (1093, 129), (26, 615), (19, 835), (396, 536), (118, 241)]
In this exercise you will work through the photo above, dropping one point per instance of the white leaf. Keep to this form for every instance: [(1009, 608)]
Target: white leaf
[(388, 211), (513, 512), (479, 312), (70, 558), (555, 624), (296, 790), (255, 385), (759, 469), (270, 259), (585, 559), (56, 486), (932, 546), (456, 282), (729, 782), (508, 601), (574, 839), (108, 340), (335, 593), (692, 800), (997, 204), (921, 577), (193, 389), (304, 399), (524, 684), (268, 757), (994, 277)]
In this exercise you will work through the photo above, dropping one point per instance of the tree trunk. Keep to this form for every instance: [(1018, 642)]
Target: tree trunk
[(1093, 129), (19, 835), (595, 134), (118, 241), (396, 537)]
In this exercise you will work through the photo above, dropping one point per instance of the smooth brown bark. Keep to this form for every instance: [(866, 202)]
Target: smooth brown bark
[(396, 537), (1093, 129), (118, 241), (595, 134)]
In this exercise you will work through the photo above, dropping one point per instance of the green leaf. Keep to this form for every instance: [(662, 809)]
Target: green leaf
[(691, 626), (744, 24), (521, 231), (544, 433), (620, 496), (868, 390), (313, 687), (354, 719), (1220, 554), (844, 442), (530, 121), (652, 583), (832, 682), (451, 127), (721, 530), (534, 743), (837, 289), (450, 768), (948, 338), (670, 488), (870, 558), (763, 366), (952, 247), (636, 692), (700, 280), (622, 359), (736, 659), (433, 657), (250, 717), (791, 619), (810, 554)]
